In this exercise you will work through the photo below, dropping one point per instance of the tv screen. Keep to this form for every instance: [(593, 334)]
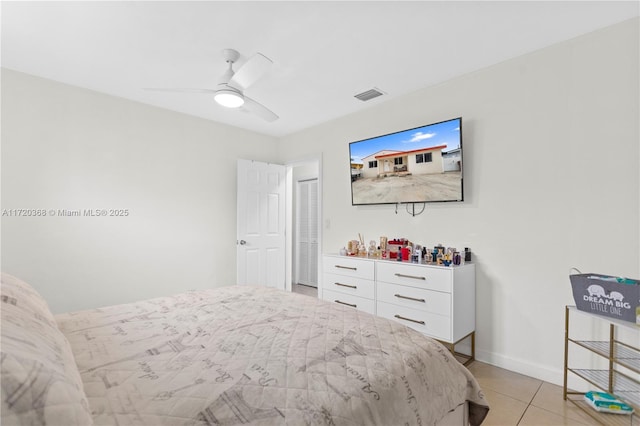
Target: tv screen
[(420, 165)]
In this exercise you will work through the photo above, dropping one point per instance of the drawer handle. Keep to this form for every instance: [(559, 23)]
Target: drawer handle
[(346, 285), (410, 276), (346, 267), (407, 319), (410, 298), (345, 303)]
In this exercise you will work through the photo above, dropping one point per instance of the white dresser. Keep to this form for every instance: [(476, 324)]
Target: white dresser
[(438, 301), (349, 281)]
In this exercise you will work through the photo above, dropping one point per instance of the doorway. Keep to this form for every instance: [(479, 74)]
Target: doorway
[(305, 254), (304, 230), (261, 224)]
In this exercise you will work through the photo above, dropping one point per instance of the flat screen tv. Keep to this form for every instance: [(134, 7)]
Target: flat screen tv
[(419, 165)]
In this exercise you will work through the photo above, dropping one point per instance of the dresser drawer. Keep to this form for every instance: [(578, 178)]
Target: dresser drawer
[(360, 303), (433, 325), (433, 278), (415, 298), (349, 285), (349, 266)]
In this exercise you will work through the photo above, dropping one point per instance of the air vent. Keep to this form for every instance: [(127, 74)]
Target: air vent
[(369, 94)]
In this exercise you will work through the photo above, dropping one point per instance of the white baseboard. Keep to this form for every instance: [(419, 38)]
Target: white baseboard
[(537, 371)]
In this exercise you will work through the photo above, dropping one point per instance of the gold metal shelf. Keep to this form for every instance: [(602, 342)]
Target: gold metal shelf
[(625, 355), (624, 387), (604, 418), (611, 380)]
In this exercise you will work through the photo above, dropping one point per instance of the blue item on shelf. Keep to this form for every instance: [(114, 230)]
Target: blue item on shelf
[(607, 403)]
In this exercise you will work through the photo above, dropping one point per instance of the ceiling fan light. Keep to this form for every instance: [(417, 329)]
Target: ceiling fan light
[(229, 98)]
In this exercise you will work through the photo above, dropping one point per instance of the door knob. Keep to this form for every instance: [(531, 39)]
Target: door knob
[(242, 242)]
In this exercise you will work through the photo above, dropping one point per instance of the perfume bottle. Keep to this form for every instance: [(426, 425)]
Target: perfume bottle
[(372, 249)]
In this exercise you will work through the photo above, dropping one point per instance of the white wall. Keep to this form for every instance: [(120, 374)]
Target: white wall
[(528, 216), (68, 148)]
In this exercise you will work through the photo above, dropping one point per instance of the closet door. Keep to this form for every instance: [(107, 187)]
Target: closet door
[(307, 232)]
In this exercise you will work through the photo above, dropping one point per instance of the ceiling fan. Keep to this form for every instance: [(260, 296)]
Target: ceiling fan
[(230, 90)]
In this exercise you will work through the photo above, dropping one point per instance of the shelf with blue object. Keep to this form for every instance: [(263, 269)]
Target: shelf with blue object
[(620, 355)]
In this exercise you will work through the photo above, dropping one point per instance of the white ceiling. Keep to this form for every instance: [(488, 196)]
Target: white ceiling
[(324, 52)]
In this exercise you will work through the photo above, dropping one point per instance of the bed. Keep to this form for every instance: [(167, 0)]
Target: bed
[(225, 356)]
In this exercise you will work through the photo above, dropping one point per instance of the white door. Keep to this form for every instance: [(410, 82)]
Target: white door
[(306, 254), (261, 224)]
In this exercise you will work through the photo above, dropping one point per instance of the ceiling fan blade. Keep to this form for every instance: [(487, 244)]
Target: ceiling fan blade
[(259, 110), (251, 71), (181, 90)]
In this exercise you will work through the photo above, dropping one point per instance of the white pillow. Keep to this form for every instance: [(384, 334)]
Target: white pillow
[(40, 383)]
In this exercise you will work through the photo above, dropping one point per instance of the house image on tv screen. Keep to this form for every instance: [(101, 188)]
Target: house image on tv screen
[(452, 160), (423, 164), (420, 161)]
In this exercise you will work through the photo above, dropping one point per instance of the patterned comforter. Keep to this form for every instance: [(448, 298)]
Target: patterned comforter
[(249, 355)]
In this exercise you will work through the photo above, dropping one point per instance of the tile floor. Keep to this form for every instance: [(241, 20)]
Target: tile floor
[(304, 289), (518, 400)]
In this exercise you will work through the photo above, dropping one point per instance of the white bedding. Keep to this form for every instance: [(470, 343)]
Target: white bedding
[(40, 383), (247, 355)]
